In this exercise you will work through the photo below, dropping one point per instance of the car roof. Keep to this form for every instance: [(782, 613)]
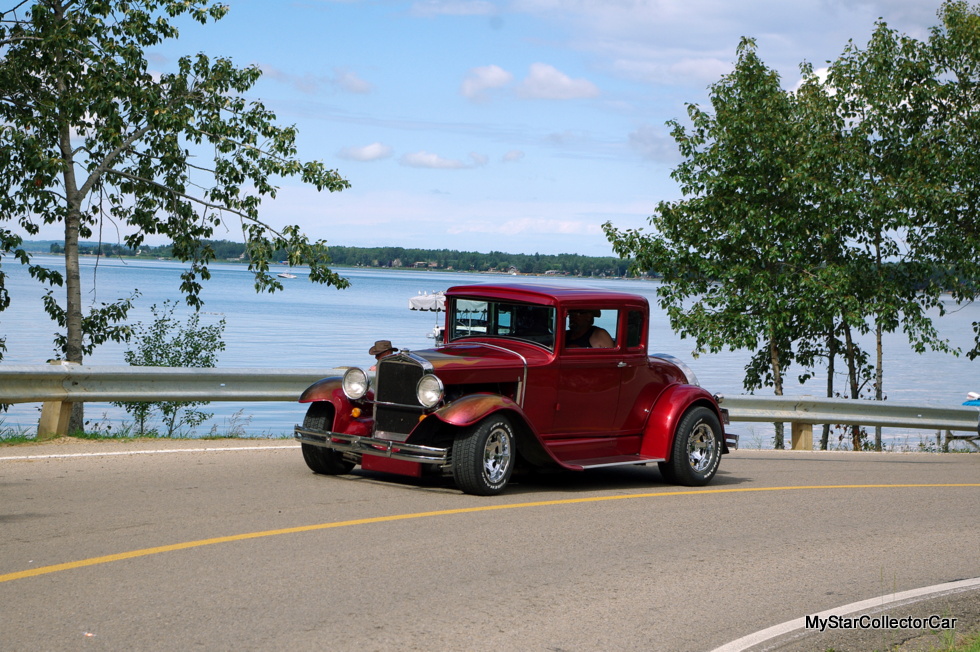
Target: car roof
[(548, 294)]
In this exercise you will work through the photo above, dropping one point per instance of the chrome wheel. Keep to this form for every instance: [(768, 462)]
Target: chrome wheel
[(701, 447), (496, 455)]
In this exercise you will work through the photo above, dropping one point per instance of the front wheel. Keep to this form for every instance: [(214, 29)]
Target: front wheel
[(483, 457), (323, 460), (696, 451)]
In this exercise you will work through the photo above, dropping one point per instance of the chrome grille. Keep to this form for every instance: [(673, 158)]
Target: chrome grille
[(397, 407)]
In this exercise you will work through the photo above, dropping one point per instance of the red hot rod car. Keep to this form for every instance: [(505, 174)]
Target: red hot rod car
[(527, 375)]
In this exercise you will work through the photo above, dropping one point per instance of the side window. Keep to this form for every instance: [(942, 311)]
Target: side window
[(590, 328), (634, 329)]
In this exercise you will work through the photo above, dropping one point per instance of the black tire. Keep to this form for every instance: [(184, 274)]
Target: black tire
[(667, 472), (696, 451), (484, 456), (323, 460)]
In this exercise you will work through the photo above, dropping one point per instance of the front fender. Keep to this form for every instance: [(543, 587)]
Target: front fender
[(472, 408), (329, 390), (322, 390), (666, 413)]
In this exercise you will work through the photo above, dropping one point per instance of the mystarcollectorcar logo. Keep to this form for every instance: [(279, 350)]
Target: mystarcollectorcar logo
[(823, 623)]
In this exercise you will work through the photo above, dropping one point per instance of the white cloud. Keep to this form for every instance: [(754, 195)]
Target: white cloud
[(483, 78), (372, 152), (529, 225), (513, 156), (425, 159), (366, 218), (546, 82), (690, 42), (454, 8), (819, 73), (344, 80), (351, 83), (652, 144)]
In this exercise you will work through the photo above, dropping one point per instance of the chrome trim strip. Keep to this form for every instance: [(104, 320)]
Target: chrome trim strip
[(650, 460), (387, 435), (372, 446), (400, 405), (422, 362)]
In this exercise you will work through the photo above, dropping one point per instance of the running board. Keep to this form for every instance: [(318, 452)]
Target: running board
[(602, 462)]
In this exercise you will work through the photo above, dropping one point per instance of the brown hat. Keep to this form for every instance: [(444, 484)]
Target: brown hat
[(381, 346)]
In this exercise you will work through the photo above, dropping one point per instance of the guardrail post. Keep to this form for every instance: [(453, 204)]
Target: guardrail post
[(802, 434), (54, 415)]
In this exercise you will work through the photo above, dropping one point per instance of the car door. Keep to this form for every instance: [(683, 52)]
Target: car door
[(588, 386), (636, 377)]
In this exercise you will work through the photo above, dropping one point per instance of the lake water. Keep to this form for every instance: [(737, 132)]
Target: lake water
[(311, 326)]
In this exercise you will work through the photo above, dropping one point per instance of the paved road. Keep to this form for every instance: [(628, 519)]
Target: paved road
[(245, 549)]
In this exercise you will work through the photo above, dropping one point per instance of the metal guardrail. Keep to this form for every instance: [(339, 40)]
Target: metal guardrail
[(887, 414), (84, 383), (59, 385), (802, 412)]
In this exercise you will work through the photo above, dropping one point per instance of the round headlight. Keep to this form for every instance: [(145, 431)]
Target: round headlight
[(355, 383), (429, 390)]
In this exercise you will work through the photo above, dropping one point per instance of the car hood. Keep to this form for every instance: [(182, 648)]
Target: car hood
[(479, 362)]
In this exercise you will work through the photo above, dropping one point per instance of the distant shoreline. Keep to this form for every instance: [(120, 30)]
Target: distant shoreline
[(437, 270), (387, 258)]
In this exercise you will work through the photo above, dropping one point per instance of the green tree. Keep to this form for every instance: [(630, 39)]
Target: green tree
[(845, 208), (953, 152), (733, 253), (169, 343), (88, 133), (910, 175)]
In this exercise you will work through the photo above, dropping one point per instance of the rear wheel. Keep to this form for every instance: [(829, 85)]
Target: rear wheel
[(484, 456), (323, 460), (696, 451)]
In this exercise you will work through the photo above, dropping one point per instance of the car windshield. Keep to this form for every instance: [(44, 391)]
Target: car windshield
[(483, 318)]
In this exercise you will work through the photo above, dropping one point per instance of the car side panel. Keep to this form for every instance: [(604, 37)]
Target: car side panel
[(588, 394)]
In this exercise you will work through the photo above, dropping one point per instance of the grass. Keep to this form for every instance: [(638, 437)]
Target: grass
[(949, 641), (234, 427), (964, 644)]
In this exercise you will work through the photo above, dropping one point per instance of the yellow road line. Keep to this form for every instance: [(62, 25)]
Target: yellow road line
[(144, 552)]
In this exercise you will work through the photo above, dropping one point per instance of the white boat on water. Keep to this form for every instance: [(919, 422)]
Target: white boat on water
[(435, 302), (285, 275)]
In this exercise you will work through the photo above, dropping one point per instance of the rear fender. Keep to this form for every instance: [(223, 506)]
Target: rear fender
[(666, 413)]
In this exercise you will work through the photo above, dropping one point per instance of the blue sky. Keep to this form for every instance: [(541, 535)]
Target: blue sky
[(519, 125)]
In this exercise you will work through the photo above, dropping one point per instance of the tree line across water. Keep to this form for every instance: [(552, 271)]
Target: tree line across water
[(389, 257)]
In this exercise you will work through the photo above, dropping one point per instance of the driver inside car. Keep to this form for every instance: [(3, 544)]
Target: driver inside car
[(582, 333)]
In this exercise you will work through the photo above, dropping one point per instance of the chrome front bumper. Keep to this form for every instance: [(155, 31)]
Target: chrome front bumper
[(372, 446)]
